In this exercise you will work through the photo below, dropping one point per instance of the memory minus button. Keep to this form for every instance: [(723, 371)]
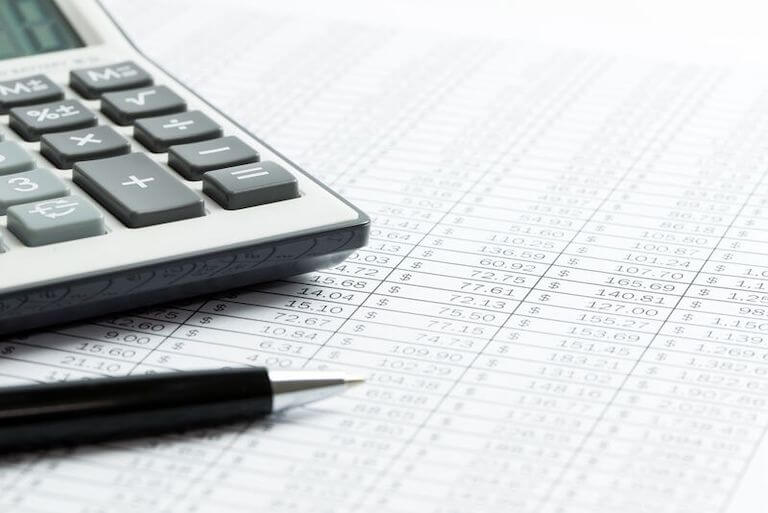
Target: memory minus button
[(137, 190)]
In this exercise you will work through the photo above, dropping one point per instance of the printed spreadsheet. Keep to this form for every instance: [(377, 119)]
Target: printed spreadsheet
[(563, 306)]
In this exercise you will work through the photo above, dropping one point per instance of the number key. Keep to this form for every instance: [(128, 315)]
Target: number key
[(35, 185)]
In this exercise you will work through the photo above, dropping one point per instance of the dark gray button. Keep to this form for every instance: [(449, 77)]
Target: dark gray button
[(34, 120), (92, 82), (192, 160), (14, 158), (56, 220), (97, 142), (250, 185), (126, 106), (137, 190), (26, 91), (159, 133), (35, 185)]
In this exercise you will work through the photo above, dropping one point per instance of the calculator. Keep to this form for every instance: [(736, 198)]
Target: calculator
[(120, 187)]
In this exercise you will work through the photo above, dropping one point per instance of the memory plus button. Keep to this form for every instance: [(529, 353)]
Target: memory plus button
[(26, 91)]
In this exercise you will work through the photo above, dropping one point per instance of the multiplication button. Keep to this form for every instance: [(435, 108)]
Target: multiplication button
[(98, 142), (33, 121), (137, 190), (192, 160), (159, 133), (250, 185)]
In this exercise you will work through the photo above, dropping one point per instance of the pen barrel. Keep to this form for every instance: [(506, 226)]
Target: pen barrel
[(40, 416)]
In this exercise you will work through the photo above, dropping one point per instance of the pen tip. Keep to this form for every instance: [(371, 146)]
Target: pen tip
[(353, 381)]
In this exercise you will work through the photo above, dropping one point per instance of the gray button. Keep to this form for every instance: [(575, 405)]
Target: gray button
[(250, 185), (126, 106), (33, 121), (92, 82), (13, 158), (55, 220), (192, 160), (137, 190), (26, 91), (98, 142), (159, 133), (35, 185)]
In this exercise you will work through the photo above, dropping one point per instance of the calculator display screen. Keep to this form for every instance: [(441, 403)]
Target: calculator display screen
[(28, 27)]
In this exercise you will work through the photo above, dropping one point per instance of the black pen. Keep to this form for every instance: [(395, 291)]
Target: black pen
[(70, 413)]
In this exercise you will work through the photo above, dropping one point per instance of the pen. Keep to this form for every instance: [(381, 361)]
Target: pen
[(69, 413)]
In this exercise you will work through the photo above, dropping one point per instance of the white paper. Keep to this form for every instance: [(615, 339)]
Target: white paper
[(563, 306)]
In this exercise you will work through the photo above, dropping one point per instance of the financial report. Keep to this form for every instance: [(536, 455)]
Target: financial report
[(563, 306)]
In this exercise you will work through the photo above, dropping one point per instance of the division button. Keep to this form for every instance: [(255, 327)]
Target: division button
[(93, 82), (14, 158), (35, 185), (98, 142), (159, 133), (250, 185), (26, 91), (137, 190), (192, 160), (124, 107), (34, 120), (56, 220)]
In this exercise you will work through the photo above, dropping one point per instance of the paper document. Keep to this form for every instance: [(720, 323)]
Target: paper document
[(563, 306)]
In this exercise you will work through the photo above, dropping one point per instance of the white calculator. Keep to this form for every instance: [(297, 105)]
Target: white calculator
[(120, 187)]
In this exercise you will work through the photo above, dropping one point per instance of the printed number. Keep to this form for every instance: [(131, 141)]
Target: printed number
[(23, 184)]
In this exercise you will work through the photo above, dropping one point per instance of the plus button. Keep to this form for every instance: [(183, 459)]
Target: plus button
[(141, 182)]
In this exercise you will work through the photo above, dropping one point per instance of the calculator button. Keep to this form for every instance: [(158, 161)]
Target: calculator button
[(14, 158), (137, 190), (98, 142), (126, 106), (250, 185), (35, 185), (26, 91), (34, 120), (92, 82), (192, 160), (159, 133), (56, 220)]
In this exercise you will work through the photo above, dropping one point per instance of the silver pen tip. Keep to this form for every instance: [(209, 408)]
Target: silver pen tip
[(353, 381)]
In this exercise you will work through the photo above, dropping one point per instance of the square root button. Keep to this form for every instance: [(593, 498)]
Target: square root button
[(250, 185)]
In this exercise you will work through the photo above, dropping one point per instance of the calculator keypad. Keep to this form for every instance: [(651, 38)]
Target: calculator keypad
[(56, 220), (64, 149), (91, 83), (137, 190), (250, 185), (35, 185), (32, 121), (159, 133), (125, 107), (13, 158), (26, 91), (192, 160)]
